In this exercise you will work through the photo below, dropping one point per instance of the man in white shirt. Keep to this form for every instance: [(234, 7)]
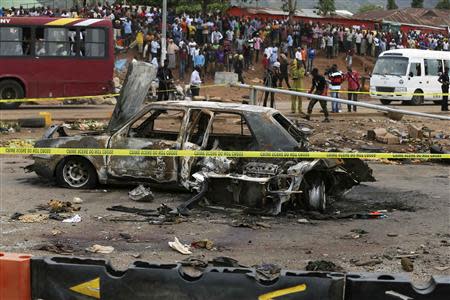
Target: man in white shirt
[(298, 54), (358, 39), (195, 82), (216, 37), (154, 48)]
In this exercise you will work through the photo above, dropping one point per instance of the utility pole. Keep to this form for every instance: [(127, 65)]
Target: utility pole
[(164, 33)]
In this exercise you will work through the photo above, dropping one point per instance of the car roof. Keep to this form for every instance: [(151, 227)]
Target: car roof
[(235, 107)]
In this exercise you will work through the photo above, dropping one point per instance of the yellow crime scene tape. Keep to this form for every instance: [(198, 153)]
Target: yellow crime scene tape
[(221, 85), (212, 153), (91, 96)]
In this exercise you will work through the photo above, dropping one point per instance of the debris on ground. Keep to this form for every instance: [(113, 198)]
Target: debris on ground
[(74, 219), (267, 272), (57, 247), (203, 244), (248, 223), (100, 249), (141, 194), (88, 125), (407, 264), (134, 210), (181, 248), (9, 127), (77, 200), (303, 221), (193, 267), (323, 265), (391, 234), (32, 218), (393, 205), (58, 206), (19, 143), (368, 263), (383, 136), (359, 231)]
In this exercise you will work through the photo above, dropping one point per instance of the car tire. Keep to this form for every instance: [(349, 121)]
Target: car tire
[(317, 198), (10, 89), (417, 100), (385, 101), (76, 173)]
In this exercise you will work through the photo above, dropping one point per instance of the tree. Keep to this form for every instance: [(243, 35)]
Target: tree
[(443, 4), (290, 6), (369, 7), (326, 7), (391, 4), (417, 3)]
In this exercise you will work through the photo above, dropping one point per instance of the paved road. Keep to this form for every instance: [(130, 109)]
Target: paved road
[(423, 231)]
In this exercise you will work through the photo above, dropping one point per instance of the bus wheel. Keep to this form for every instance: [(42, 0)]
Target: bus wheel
[(385, 101), (416, 99), (10, 89), (437, 102)]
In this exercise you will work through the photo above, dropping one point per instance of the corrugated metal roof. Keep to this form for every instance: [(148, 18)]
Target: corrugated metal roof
[(418, 16)]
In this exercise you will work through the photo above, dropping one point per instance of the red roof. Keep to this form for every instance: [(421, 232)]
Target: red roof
[(417, 16)]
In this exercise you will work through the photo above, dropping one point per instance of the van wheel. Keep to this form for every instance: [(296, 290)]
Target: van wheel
[(385, 101), (416, 99), (10, 89), (76, 173)]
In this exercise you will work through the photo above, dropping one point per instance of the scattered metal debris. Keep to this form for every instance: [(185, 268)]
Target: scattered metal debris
[(141, 194), (181, 248), (322, 265), (100, 249)]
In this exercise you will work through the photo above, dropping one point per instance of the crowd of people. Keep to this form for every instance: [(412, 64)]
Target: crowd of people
[(200, 45)]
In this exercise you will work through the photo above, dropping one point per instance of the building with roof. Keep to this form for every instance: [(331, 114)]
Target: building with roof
[(410, 18)]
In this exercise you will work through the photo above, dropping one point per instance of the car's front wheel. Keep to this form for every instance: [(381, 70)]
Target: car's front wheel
[(76, 173)]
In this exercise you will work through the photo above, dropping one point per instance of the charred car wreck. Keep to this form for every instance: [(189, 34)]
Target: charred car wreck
[(266, 184)]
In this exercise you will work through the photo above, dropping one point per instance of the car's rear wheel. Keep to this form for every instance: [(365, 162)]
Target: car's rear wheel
[(385, 101), (76, 173), (317, 198), (10, 89)]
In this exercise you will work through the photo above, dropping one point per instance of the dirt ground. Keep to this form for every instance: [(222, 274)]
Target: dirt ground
[(416, 195)]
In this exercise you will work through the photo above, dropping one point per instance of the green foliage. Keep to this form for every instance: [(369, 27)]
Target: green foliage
[(369, 7), (391, 4), (188, 6), (417, 3), (326, 7), (443, 4)]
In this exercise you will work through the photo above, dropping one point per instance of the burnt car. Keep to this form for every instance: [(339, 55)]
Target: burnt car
[(261, 184), (194, 125)]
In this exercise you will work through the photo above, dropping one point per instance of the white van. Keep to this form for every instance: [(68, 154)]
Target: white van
[(408, 71)]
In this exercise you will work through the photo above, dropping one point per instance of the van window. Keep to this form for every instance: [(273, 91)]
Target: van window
[(433, 67), (447, 63), (415, 69)]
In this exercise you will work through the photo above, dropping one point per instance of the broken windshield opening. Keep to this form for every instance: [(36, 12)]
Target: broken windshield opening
[(158, 124), (289, 127)]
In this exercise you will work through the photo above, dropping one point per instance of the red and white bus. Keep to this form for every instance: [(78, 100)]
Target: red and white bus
[(43, 57)]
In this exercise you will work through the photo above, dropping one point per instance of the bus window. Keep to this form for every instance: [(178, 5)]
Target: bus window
[(55, 42), (15, 41), (415, 69), (93, 42), (433, 67)]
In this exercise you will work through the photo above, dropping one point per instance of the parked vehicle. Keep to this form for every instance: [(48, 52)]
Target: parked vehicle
[(43, 57), (400, 73)]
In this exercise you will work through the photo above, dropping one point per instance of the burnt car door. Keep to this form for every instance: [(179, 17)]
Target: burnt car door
[(195, 138), (157, 129)]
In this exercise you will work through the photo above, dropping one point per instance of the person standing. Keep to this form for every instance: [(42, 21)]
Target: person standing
[(297, 74), (196, 81), (329, 42), (284, 71), (165, 78), (172, 49), (183, 57), (444, 80), (239, 67), (352, 78), (271, 80), (319, 85), (311, 57), (336, 78)]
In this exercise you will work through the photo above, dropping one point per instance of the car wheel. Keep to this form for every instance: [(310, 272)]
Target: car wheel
[(76, 173), (385, 102), (317, 198), (416, 99), (10, 89)]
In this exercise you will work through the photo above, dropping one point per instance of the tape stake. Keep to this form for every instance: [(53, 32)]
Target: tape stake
[(283, 292), (90, 288)]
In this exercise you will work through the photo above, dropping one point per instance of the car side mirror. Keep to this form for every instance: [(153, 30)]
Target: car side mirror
[(411, 74)]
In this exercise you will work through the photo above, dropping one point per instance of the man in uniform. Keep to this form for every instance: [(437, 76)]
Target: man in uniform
[(297, 74)]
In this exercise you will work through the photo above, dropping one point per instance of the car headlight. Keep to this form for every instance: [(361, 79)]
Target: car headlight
[(400, 89)]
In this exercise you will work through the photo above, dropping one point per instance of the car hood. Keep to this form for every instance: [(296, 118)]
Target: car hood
[(133, 94)]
